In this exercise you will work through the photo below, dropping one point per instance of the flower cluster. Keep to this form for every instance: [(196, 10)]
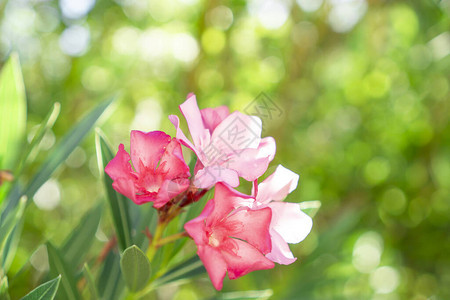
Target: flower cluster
[(235, 233)]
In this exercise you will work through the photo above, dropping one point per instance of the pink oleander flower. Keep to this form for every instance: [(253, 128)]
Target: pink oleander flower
[(289, 224), (228, 146), (160, 172), (231, 239)]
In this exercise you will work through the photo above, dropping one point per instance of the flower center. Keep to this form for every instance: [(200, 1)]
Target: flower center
[(213, 240)]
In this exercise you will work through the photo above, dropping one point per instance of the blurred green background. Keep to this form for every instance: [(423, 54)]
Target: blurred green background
[(361, 90)]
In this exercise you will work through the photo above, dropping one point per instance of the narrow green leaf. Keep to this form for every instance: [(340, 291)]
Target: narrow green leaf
[(135, 268), (32, 149), (190, 268), (117, 203), (46, 291), (4, 295), (68, 288), (310, 207), (13, 112), (110, 283), (78, 243), (143, 217), (65, 146), (9, 239), (59, 154), (7, 226), (90, 283)]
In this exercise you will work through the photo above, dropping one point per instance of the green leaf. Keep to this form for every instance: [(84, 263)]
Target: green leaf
[(117, 202), (110, 283), (78, 243), (13, 112), (90, 283), (7, 226), (59, 154), (10, 231), (68, 288), (46, 291), (135, 268), (310, 207), (190, 268), (4, 287), (32, 149)]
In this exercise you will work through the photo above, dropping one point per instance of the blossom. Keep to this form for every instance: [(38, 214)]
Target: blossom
[(160, 172), (230, 238), (289, 224), (228, 146)]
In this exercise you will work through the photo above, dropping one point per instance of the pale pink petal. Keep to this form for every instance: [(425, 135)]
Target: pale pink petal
[(147, 148), (196, 227), (267, 148), (290, 222), (247, 165), (214, 264), (255, 228), (180, 134), (247, 259), (213, 116), (237, 132), (172, 161), (277, 186), (281, 254), (208, 176), (193, 117)]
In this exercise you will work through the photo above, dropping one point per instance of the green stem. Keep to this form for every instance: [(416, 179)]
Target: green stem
[(171, 238), (151, 251)]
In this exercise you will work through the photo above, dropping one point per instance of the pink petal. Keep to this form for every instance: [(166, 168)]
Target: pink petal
[(247, 259), (120, 171), (237, 132), (225, 200), (277, 186), (208, 176), (145, 198), (172, 161), (125, 187), (281, 254), (290, 222), (196, 227), (256, 227), (213, 116), (214, 264), (193, 117), (170, 189), (147, 148)]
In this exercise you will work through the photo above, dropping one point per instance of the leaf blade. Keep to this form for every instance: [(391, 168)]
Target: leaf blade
[(310, 207), (46, 291), (59, 154), (135, 268), (12, 112), (59, 266), (78, 243), (117, 202)]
